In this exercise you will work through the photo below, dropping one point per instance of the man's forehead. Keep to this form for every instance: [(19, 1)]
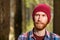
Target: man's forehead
[(40, 13)]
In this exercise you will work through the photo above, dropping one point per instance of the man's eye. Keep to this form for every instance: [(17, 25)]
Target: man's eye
[(43, 15)]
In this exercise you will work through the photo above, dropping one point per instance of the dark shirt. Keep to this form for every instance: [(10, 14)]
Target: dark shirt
[(39, 37)]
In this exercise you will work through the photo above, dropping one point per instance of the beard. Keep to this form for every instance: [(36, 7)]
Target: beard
[(40, 25)]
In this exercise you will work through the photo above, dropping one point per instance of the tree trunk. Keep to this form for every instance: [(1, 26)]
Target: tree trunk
[(4, 19), (56, 16)]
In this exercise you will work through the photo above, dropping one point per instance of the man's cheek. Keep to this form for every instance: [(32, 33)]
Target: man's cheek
[(36, 20)]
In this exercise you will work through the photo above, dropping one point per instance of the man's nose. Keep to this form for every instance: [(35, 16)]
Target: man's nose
[(39, 18)]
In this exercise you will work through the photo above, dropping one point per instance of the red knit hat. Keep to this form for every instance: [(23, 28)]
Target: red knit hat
[(42, 8)]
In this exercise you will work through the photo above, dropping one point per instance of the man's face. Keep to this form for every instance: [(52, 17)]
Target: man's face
[(40, 20)]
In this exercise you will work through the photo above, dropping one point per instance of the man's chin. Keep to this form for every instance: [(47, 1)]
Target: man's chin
[(40, 28)]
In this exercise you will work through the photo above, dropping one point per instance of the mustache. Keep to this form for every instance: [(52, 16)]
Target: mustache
[(39, 22)]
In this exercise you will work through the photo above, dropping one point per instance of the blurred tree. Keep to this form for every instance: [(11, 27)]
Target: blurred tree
[(56, 21), (18, 19), (4, 19)]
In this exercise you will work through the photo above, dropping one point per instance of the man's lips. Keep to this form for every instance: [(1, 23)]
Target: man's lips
[(40, 23)]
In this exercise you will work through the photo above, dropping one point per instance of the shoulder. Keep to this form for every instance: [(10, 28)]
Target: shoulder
[(56, 36), (23, 36)]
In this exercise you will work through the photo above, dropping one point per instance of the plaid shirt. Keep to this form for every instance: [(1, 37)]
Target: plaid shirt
[(29, 36)]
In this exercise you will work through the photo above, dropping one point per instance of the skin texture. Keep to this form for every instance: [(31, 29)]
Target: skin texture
[(40, 20)]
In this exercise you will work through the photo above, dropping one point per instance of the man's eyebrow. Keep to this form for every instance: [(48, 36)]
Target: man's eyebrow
[(37, 14)]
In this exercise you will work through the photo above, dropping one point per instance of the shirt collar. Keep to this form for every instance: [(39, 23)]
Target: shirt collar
[(47, 34)]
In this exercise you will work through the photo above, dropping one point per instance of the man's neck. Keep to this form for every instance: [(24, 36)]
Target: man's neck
[(39, 33)]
